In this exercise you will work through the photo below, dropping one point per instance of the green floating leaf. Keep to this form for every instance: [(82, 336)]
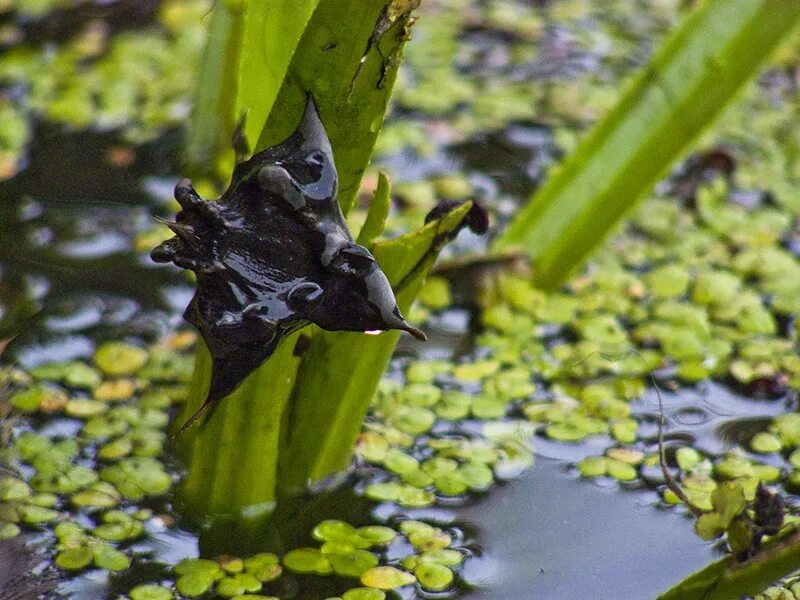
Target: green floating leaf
[(353, 564), (75, 559), (386, 578), (194, 584), (119, 358), (237, 584), (150, 591), (433, 576), (8, 530), (108, 557), (377, 535), (364, 594), (307, 560)]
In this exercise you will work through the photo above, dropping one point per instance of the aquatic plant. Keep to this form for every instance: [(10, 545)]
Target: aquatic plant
[(696, 73)]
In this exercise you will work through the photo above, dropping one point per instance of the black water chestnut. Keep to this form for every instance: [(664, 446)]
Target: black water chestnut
[(274, 254)]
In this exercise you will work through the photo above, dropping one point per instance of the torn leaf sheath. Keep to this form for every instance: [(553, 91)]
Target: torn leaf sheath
[(273, 254)]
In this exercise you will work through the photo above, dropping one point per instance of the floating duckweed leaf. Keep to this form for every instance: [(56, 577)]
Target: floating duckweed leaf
[(624, 431), (668, 281), (439, 466), (137, 477), (354, 564), (75, 559), (410, 526), (399, 462), (421, 394), (237, 584), (364, 594), (425, 540), (765, 443), (413, 420), (621, 471), (384, 491), (716, 288), (12, 488), (231, 564), (119, 358), (687, 458), (386, 578), (450, 484), (307, 560), (83, 408), (195, 584), (485, 408), (108, 557), (70, 533), (118, 532), (433, 576), (593, 466), (475, 371), (105, 426), (80, 375), (337, 547), (115, 449), (426, 371), (266, 566), (8, 530), (734, 467), (29, 400), (194, 566), (626, 455), (34, 515), (442, 556), (150, 591), (413, 497), (114, 390), (334, 530), (377, 535), (788, 428)]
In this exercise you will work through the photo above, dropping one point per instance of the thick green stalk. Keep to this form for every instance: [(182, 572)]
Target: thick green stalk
[(232, 458), (346, 53), (250, 45), (348, 59), (697, 71)]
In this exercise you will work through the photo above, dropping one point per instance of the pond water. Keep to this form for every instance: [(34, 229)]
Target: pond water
[(76, 224)]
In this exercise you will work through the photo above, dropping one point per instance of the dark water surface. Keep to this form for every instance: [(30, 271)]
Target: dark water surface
[(550, 535)]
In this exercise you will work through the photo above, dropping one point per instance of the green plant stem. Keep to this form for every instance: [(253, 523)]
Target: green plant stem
[(348, 59), (232, 458), (250, 45), (262, 60), (697, 71)]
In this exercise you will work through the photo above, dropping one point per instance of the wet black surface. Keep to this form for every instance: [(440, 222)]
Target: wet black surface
[(272, 255)]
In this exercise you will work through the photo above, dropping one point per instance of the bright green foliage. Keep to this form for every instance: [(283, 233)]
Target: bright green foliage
[(249, 48), (696, 73), (347, 59)]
